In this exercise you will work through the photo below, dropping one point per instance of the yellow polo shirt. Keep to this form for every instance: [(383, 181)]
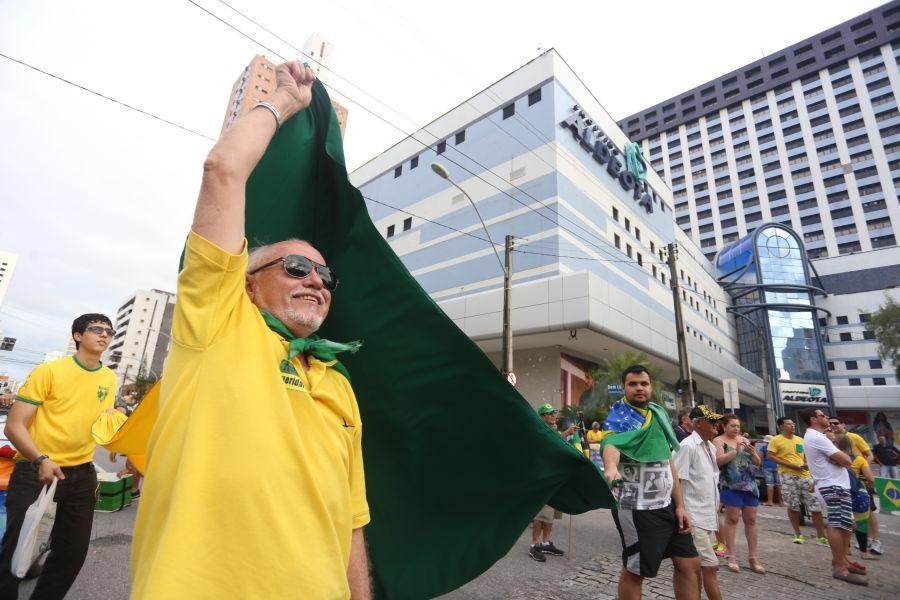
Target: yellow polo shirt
[(790, 450), (70, 399), (254, 478)]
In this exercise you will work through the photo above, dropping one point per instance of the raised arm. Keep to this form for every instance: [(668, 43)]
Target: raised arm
[(219, 216)]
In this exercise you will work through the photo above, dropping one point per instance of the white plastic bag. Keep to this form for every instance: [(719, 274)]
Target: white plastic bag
[(34, 537)]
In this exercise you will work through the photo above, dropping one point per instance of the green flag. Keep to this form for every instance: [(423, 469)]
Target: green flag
[(888, 494), (447, 500)]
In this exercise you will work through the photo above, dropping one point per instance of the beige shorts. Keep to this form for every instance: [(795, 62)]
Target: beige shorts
[(547, 514), (703, 541)]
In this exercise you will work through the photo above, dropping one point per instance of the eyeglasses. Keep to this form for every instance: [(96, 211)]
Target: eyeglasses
[(834, 423), (300, 267), (97, 330)]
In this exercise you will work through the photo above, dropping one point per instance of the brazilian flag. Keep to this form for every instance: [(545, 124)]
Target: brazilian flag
[(446, 500), (888, 494)]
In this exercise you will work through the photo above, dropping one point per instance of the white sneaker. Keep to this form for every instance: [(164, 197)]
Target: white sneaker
[(875, 547)]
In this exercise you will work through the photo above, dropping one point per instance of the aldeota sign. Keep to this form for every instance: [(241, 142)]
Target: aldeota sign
[(804, 394), (604, 151)]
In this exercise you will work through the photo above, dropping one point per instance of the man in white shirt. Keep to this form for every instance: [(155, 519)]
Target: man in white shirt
[(696, 466), (828, 467)]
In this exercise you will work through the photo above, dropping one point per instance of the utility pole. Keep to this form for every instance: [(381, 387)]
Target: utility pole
[(507, 313), (684, 365)]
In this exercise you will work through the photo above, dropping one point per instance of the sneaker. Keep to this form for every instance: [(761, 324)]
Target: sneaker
[(798, 538), (719, 549), (535, 553), (549, 548), (135, 494), (822, 541), (875, 547)]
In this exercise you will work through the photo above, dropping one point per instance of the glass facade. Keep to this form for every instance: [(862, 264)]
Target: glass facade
[(766, 274)]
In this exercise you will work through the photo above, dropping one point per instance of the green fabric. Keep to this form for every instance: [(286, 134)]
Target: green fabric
[(324, 350), (446, 499), (653, 442)]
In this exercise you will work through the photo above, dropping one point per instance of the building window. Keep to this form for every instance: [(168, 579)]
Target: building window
[(460, 137), (628, 250), (822, 321), (637, 233), (855, 381), (618, 241), (615, 213), (864, 317), (441, 147), (846, 337), (851, 365), (874, 363), (879, 381), (414, 162), (830, 366), (841, 320), (868, 335), (627, 225), (398, 171), (407, 223), (534, 97), (509, 110), (390, 231), (654, 271), (640, 259)]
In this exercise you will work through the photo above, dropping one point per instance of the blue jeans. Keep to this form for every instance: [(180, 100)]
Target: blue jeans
[(771, 476)]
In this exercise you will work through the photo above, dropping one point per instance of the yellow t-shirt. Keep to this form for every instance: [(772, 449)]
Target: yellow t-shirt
[(790, 450), (857, 466), (859, 445), (70, 399), (254, 478), (594, 437)]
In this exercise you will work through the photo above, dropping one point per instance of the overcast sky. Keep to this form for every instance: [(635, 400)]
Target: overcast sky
[(96, 199)]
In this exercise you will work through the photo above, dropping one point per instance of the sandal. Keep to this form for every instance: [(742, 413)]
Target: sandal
[(851, 578), (756, 566), (733, 565)]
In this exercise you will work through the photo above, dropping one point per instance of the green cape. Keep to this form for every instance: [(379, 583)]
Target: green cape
[(652, 443), (447, 500)]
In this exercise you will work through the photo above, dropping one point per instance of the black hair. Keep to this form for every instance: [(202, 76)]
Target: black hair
[(836, 418), (806, 415), (635, 370), (781, 420), (82, 322)]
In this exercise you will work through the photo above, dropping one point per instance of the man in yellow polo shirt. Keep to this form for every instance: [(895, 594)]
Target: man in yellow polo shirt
[(50, 426), (786, 450), (254, 485)]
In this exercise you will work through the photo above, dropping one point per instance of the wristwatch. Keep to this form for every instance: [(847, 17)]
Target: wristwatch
[(37, 462)]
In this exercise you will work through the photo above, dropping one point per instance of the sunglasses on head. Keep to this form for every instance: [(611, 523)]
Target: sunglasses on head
[(300, 267), (97, 330)]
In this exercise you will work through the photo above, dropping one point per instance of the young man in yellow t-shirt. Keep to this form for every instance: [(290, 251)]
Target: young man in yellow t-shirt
[(50, 426), (786, 450)]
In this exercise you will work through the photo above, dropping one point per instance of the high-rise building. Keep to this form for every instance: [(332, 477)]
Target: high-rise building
[(807, 137), (143, 327), (545, 163), (8, 262), (319, 54), (257, 82)]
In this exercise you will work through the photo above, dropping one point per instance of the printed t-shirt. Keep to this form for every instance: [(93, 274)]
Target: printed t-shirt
[(645, 486), (818, 449), (70, 398), (790, 450), (254, 469)]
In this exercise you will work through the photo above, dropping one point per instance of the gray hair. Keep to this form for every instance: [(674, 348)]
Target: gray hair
[(254, 257)]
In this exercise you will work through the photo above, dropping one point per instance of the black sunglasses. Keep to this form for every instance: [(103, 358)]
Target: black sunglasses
[(300, 267), (98, 329)]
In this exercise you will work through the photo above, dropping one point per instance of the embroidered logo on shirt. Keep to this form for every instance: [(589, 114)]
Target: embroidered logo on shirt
[(102, 392), (290, 376)]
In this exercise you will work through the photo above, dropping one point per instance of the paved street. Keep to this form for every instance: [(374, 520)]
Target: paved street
[(794, 571)]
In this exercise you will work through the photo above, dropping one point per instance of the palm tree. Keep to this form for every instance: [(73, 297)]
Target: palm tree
[(609, 372)]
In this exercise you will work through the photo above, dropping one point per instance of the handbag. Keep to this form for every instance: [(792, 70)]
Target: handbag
[(34, 537)]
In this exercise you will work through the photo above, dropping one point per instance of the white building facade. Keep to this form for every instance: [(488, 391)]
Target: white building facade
[(8, 262), (545, 163), (143, 327)]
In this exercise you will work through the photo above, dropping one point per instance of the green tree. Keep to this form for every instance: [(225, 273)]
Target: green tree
[(885, 323), (143, 381)]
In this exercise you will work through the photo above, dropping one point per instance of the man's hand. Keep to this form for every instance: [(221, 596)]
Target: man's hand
[(612, 474), (684, 521), (47, 470), (569, 431), (113, 457), (6, 400), (294, 87)]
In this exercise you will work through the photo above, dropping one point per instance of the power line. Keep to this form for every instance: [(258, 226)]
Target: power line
[(427, 146), (105, 97)]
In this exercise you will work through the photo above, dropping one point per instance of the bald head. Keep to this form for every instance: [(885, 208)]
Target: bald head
[(301, 304)]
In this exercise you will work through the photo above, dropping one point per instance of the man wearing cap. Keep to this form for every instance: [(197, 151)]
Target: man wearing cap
[(770, 472), (696, 466), (542, 526), (651, 518)]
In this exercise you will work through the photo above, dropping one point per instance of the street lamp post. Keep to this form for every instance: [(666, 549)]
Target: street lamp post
[(505, 268)]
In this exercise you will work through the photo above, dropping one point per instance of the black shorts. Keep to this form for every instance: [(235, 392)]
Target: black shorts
[(649, 536)]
